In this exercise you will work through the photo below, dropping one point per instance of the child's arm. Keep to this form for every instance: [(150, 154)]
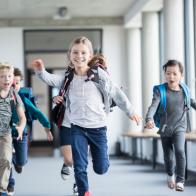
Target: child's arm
[(151, 111), (48, 78), (40, 116), (22, 122), (119, 97)]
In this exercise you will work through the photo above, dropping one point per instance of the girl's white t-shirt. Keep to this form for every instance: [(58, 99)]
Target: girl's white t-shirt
[(86, 107)]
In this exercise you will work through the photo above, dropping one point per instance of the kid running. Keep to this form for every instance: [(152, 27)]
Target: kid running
[(8, 100), (171, 102), (21, 146), (87, 99)]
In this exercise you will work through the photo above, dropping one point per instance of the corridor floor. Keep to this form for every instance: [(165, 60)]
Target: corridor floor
[(41, 177)]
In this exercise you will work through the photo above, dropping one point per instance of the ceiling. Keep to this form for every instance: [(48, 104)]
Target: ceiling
[(31, 13), (39, 9)]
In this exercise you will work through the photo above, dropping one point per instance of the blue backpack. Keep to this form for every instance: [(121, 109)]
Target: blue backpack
[(161, 89)]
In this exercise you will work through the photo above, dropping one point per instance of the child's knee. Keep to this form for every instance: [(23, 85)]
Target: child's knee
[(101, 169)]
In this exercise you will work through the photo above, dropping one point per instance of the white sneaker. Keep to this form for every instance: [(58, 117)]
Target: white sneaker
[(65, 172), (179, 186), (171, 181)]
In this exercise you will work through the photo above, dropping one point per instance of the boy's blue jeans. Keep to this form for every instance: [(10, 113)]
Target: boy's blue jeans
[(97, 140), (20, 156)]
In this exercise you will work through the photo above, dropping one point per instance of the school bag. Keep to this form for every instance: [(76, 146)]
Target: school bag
[(161, 89), (92, 75)]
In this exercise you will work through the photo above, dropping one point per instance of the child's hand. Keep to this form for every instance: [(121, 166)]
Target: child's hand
[(149, 125), (20, 132), (57, 99), (49, 134), (37, 65), (136, 118)]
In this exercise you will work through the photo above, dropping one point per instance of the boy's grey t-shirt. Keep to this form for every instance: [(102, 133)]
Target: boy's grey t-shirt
[(176, 117), (6, 112)]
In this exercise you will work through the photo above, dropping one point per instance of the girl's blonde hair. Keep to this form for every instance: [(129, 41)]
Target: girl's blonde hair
[(80, 40), (7, 66)]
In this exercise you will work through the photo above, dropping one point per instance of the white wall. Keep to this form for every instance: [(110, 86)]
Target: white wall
[(11, 46)]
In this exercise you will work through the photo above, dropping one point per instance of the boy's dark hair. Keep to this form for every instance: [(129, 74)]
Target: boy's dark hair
[(171, 63), (17, 72)]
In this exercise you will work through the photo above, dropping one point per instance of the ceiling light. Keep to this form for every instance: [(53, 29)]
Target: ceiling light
[(62, 13)]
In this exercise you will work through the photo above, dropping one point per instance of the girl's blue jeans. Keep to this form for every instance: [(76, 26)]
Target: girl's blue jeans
[(20, 156), (97, 140)]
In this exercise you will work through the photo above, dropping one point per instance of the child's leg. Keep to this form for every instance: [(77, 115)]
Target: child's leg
[(11, 179), (168, 152), (5, 161), (179, 144), (99, 149), (80, 157), (21, 153), (65, 144)]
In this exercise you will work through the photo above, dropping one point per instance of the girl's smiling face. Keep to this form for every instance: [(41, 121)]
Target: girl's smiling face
[(173, 77), (80, 55)]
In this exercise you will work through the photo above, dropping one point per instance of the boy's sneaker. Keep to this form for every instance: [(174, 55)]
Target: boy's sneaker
[(10, 190), (179, 186), (75, 189), (65, 172), (171, 181)]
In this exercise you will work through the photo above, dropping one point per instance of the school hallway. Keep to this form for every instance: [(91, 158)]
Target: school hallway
[(41, 177)]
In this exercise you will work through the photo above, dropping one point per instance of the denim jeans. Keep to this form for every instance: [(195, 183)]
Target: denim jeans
[(97, 140), (20, 156)]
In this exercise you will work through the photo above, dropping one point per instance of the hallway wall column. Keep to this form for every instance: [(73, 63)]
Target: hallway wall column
[(173, 30), (150, 56), (134, 72), (150, 64)]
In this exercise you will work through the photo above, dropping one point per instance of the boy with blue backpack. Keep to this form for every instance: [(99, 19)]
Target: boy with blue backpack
[(169, 111), (32, 113)]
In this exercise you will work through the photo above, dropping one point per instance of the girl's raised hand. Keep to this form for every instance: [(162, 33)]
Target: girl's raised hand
[(37, 65)]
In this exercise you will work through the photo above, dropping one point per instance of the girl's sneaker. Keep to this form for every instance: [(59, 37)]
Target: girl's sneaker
[(171, 181), (65, 172), (87, 193), (179, 186)]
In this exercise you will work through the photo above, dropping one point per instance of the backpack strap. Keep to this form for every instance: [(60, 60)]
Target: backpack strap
[(92, 73), (69, 74), (13, 100), (162, 91), (186, 92)]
